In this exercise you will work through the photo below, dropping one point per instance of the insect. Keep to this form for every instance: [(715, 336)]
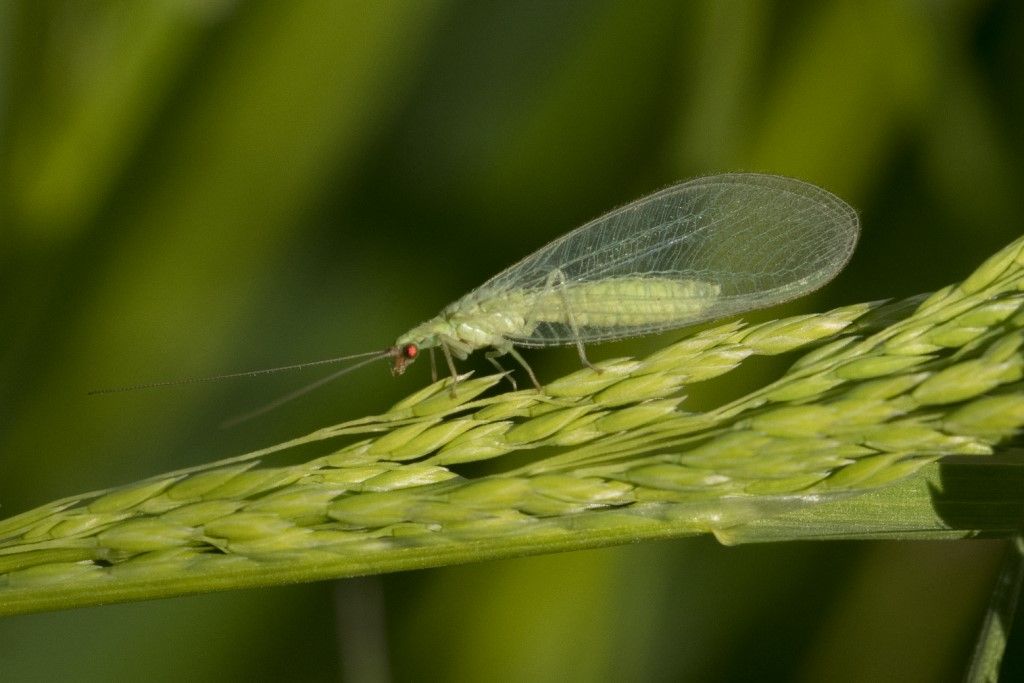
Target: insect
[(704, 249)]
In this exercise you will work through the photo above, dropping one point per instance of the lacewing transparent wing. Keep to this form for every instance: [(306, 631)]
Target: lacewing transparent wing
[(704, 249)]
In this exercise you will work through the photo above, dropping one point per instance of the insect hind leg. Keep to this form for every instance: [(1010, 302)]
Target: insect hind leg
[(526, 366), (492, 358), (557, 277)]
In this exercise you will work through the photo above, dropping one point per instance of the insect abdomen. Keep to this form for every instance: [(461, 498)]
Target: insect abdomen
[(609, 304), (624, 302)]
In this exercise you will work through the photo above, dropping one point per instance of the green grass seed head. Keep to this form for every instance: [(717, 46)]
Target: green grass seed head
[(856, 412)]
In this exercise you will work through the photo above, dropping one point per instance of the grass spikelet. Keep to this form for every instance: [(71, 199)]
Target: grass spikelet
[(990, 416), (128, 497), (143, 535), (445, 401), (196, 486), (995, 266), (482, 443), (78, 525), (878, 366), (809, 420), (198, 514), (417, 474), (785, 335), (245, 526), (636, 416), (539, 428), (966, 380), (803, 388)]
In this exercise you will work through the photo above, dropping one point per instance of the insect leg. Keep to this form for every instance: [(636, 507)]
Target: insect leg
[(492, 358), (526, 366), (451, 366), (433, 365), (559, 277)]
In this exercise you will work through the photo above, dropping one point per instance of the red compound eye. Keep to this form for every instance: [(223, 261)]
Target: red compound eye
[(410, 351)]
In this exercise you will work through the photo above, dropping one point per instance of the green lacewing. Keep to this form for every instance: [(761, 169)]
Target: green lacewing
[(703, 249)]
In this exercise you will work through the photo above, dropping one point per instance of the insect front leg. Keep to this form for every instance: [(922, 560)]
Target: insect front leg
[(451, 367)]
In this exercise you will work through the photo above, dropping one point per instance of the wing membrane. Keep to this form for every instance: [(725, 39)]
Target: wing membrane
[(759, 239)]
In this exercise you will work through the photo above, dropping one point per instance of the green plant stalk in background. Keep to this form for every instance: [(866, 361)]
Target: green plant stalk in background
[(897, 422)]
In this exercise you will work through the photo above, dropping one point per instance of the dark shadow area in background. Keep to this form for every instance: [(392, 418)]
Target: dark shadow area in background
[(988, 494), (982, 493)]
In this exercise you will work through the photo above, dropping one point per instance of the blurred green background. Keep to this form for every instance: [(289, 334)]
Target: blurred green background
[(198, 186)]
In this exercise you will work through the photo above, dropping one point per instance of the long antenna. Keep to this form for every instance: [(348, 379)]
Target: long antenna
[(302, 391), (249, 373)]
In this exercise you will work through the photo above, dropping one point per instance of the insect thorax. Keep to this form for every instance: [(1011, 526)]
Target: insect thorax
[(462, 336)]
